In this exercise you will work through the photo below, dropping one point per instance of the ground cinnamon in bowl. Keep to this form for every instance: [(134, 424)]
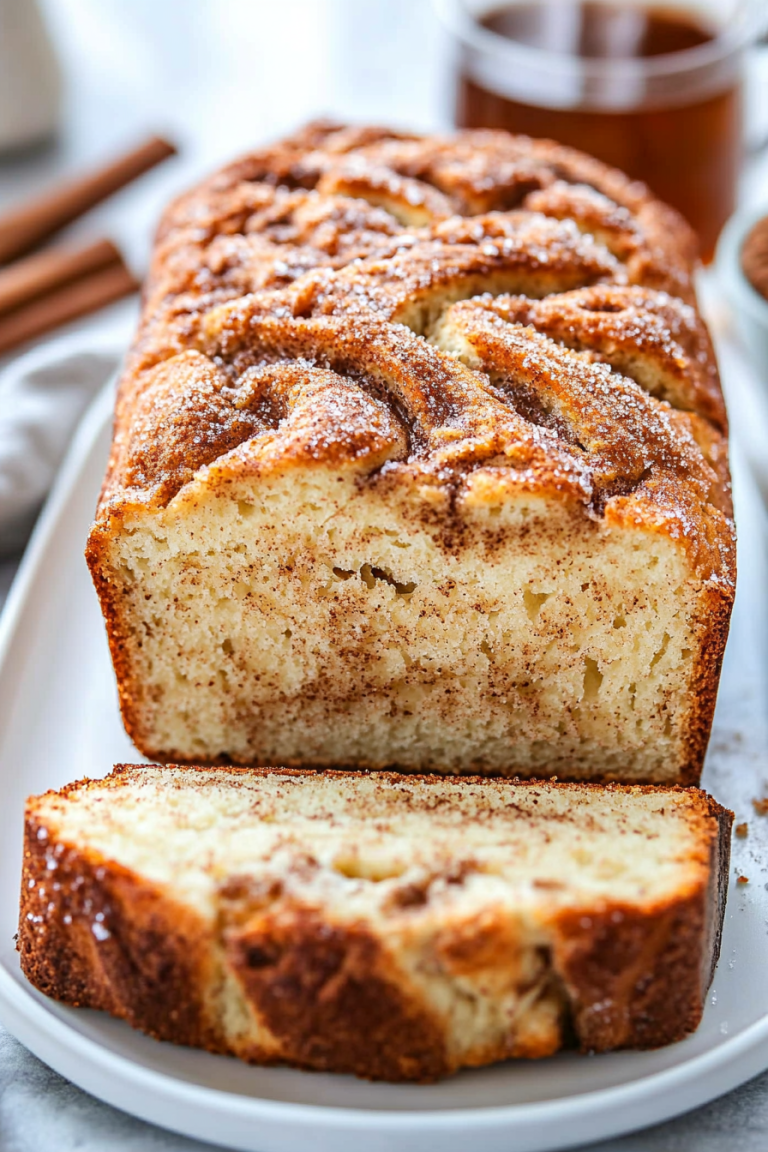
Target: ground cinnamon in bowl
[(754, 257)]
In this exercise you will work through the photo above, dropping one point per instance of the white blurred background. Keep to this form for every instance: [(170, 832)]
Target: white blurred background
[(217, 77)]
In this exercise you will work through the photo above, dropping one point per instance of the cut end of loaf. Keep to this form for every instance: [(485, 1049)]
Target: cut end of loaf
[(393, 927), (318, 620)]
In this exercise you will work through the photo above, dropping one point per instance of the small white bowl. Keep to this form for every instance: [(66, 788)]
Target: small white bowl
[(749, 308)]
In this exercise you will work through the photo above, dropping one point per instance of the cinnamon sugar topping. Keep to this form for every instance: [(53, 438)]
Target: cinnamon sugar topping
[(463, 299)]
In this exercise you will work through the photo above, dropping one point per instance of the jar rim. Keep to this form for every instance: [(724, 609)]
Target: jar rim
[(736, 36)]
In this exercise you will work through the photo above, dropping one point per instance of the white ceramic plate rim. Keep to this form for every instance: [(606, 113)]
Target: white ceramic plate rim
[(601, 1113), (742, 1055)]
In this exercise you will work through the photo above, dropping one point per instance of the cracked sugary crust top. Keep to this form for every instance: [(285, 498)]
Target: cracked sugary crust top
[(426, 307)]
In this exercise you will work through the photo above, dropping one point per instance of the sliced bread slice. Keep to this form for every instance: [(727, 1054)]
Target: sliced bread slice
[(392, 927)]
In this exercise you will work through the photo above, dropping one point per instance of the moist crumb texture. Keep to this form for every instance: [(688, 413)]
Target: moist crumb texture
[(420, 462), (394, 927)]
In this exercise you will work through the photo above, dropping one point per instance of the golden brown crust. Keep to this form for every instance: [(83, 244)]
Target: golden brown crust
[(96, 935), (628, 977), (330, 995), (265, 263), (331, 1000), (712, 627)]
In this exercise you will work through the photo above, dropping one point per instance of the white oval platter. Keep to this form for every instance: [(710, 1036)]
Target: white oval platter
[(59, 721)]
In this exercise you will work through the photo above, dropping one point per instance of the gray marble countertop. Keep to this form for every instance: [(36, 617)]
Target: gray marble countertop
[(219, 77), (40, 1111)]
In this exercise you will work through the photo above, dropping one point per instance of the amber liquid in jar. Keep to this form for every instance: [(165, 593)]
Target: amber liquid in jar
[(689, 153)]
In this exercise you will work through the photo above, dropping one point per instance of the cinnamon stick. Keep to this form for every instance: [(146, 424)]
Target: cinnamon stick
[(40, 274), (26, 226), (78, 298)]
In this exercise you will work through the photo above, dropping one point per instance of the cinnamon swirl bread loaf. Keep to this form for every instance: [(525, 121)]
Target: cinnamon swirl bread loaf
[(420, 462), (396, 928)]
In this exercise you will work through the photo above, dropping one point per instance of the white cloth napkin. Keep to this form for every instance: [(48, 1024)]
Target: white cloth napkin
[(43, 395)]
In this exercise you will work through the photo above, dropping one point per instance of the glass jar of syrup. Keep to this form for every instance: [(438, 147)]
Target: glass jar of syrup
[(654, 91)]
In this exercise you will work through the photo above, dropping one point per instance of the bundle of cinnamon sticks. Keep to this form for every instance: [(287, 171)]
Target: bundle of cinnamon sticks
[(55, 285)]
